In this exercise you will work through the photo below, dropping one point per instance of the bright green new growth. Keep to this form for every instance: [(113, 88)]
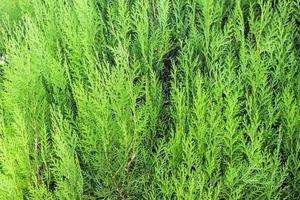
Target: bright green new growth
[(149, 99)]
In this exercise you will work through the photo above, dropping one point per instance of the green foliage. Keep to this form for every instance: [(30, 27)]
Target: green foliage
[(149, 99)]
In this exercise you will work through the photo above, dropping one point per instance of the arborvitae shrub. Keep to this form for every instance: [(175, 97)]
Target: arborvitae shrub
[(149, 99)]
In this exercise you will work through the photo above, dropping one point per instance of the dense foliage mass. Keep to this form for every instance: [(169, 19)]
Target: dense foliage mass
[(149, 99)]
